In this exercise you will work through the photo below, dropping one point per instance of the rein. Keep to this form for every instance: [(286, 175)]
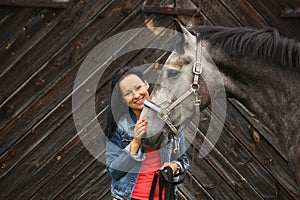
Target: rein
[(164, 113)]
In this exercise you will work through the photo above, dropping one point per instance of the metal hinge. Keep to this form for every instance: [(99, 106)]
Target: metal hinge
[(171, 10), (290, 14)]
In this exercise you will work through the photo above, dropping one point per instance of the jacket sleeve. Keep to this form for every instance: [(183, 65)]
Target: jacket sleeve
[(119, 161)]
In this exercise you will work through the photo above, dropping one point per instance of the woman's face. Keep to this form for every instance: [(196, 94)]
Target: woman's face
[(134, 92)]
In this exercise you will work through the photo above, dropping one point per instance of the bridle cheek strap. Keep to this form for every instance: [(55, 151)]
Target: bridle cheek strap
[(180, 99)]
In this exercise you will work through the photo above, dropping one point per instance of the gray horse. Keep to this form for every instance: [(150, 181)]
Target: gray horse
[(259, 68)]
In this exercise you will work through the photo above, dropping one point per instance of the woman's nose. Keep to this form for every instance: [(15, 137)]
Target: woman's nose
[(135, 94)]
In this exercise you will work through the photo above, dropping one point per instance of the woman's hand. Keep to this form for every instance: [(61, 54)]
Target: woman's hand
[(174, 166), (139, 130)]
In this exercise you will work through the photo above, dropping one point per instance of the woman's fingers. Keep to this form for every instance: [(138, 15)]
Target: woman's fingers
[(140, 127), (173, 166), (145, 124), (139, 130)]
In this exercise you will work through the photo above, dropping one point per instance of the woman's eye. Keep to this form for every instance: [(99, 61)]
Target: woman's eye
[(127, 94), (173, 73), (138, 87)]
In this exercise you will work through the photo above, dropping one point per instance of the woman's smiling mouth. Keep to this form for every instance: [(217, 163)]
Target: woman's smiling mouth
[(140, 101)]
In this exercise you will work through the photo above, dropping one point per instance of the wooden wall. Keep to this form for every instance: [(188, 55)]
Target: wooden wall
[(41, 154)]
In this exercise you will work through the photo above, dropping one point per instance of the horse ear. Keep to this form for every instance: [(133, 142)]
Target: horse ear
[(183, 40), (181, 28)]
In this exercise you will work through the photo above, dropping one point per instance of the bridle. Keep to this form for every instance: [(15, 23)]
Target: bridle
[(164, 113)]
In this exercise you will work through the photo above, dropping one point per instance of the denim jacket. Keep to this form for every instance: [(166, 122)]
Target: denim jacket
[(123, 167)]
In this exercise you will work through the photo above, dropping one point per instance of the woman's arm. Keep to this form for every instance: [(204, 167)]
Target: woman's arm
[(119, 160)]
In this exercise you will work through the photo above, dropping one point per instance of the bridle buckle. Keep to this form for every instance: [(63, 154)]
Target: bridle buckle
[(197, 68)]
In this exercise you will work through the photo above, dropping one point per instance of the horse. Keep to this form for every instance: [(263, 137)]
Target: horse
[(259, 68)]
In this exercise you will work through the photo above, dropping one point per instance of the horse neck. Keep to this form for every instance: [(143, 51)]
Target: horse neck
[(269, 91)]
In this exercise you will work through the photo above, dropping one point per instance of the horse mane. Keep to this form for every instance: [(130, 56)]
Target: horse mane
[(265, 43)]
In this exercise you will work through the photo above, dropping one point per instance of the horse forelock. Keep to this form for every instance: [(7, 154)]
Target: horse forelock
[(266, 43)]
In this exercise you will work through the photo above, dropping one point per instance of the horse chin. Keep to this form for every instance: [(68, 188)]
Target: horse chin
[(155, 126)]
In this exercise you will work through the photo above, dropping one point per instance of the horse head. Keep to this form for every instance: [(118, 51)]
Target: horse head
[(187, 82)]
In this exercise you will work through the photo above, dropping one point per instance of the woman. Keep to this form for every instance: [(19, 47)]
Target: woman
[(129, 163)]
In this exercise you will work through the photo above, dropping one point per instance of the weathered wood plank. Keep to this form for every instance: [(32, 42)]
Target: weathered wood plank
[(191, 189), (272, 138), (13, 23), (40, 84), (236, 159), (88, 189), (263, 152), (26, 175), (196, 20), (289, 27), (29, 34), (30, 44), (24, 40), (99, 190), (232, 176), (82, 171), (218, 14), (5, 12), (244, 13), (36, 55), (106, 196), (210, 180), (220, 163), (239, 156), (73, 160)]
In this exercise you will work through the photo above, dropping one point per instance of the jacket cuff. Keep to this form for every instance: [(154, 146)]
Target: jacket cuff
[(139, 156)]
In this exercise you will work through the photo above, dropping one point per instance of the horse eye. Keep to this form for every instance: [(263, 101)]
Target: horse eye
[(173, 73)]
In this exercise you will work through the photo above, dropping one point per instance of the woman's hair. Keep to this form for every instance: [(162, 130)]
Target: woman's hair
[(117, 107)]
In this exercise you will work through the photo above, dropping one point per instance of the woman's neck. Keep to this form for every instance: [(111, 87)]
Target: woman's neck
[(137, 113)]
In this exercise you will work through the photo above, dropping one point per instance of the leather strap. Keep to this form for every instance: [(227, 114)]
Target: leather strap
[(153, 186), (165, 179)]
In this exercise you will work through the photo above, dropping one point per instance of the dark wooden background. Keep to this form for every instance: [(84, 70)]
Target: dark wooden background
[(41, 50)]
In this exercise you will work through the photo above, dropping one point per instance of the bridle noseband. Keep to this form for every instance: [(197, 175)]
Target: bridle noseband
[(163, 113)]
